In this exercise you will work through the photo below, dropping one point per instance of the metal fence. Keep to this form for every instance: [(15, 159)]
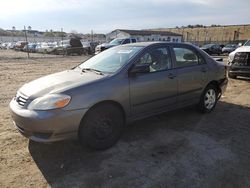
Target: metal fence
[(224, 42)]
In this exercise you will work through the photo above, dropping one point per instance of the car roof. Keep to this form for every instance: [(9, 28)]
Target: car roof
[(145, 44)]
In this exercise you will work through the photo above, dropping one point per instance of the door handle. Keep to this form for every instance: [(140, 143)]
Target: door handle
[(171, 76)]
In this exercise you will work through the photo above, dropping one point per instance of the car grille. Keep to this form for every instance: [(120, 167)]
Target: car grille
[(241, 59), (21, 99)]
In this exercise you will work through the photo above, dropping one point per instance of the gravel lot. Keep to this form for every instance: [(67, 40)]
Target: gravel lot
[(177, 149)]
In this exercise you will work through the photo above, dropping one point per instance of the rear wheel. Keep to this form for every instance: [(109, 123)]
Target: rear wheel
[(102, 127), (208, 99)]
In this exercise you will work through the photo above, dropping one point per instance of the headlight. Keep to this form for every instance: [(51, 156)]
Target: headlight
[(48, 102)]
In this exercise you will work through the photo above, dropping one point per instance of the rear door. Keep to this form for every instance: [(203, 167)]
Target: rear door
[(157, 89), (191, 73)]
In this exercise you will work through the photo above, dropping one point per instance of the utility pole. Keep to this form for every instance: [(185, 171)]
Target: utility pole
[(92, 33), (26, 40), (62, 33)]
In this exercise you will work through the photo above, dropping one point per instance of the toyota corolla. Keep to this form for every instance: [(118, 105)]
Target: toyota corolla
[(96, 99)]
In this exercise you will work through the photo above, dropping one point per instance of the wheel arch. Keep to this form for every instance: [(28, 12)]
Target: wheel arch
[(216, 84), (106, 102)]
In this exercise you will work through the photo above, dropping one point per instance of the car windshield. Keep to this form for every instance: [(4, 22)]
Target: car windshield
[(247, 43), (111, 60), (207, 45), (116, 41)]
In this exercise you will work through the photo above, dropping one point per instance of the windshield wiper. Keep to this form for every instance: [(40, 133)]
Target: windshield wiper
[(93, 70)]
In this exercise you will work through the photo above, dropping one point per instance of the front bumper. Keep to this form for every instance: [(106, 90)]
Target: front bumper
[(240, 71), (47, 125)]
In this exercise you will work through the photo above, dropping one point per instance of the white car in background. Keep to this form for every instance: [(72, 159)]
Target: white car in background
[(239, 62), (244, 48), (44, 47)]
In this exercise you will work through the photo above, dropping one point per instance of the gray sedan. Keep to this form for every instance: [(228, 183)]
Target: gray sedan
[(95, 100)]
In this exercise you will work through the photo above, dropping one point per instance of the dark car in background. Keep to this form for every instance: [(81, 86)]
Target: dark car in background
[(228, 48), (212, 49), (69, 47), (97, 98), (114, 42)]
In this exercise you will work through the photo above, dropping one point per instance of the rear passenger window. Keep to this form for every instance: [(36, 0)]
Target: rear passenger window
[(185, 57), (133, 41)]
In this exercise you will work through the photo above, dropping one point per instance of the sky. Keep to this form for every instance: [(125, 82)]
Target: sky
[(103, 16)]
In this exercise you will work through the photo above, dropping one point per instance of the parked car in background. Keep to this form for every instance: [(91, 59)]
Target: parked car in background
[(31, 47), (11, 45), (228, 48), (115, 42), (86, 46), (44, 47), (239, 61), (95, 99), (20, 45), (4, 45), (89, 47), (69, 47), (212, 49)]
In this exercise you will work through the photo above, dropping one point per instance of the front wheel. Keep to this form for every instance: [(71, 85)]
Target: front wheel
[(208, 99), (102, 127)]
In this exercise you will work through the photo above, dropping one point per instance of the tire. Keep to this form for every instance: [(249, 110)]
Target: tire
[(232, 76), (208, 99), (102, 127)]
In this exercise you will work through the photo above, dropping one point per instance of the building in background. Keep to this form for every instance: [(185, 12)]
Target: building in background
[(144, 35)]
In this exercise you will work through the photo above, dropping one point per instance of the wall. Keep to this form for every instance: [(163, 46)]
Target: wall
[(222, 34)]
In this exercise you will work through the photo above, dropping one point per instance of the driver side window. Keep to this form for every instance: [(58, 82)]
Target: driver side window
[(158, 59)]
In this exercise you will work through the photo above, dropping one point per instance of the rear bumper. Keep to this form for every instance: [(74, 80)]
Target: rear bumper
[(223, 85), (46, 126)]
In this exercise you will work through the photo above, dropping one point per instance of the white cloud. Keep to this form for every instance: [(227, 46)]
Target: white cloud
[(16, 7)]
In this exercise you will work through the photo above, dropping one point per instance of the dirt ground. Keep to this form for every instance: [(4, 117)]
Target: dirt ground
[(176, 149)]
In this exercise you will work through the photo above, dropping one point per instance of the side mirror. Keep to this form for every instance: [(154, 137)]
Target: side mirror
[(140, 68)]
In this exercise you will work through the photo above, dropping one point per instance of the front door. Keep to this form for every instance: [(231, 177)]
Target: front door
[(157, 89)]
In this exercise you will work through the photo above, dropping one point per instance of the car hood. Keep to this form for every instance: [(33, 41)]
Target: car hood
[(226, 48), (58, 82), (240, 49), (243, 49)]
